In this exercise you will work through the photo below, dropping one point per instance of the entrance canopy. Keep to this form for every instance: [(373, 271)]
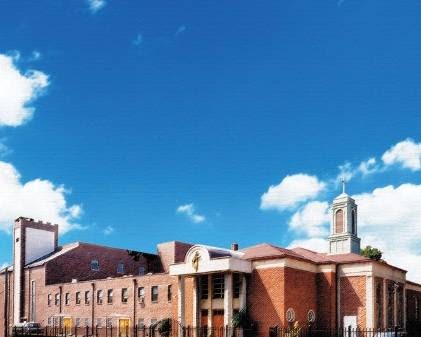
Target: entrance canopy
[(202, 259)]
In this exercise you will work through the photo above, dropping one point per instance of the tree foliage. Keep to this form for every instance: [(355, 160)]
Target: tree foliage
[(372, 253)]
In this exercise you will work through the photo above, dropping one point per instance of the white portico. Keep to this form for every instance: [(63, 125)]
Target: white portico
[(219, 285)]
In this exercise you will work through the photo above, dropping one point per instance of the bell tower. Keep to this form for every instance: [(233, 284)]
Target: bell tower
[(344, 233)]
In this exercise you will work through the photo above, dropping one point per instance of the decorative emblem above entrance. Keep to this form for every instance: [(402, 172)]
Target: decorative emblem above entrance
[(195, 261)]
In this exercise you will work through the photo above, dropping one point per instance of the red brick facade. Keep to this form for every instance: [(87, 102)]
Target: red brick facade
[(280, 283)]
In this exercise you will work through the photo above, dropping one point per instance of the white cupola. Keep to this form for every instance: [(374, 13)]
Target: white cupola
[(343, 238)]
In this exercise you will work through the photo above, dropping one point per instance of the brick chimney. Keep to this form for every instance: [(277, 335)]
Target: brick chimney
[(234, 246)]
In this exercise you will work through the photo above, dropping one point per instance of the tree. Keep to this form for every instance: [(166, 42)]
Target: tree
[(372, 253)]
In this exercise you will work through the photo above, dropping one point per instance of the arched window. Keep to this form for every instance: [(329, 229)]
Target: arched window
[(339, 221), (354, 221)]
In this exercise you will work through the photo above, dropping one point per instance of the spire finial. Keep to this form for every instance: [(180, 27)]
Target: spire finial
[(343, 184)]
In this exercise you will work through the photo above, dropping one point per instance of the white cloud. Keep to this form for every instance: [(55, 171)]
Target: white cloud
[(311, 219), (190, 211), (389, 218), (406, 153), (38, 199), (17, 91), (96, 5), (35, 56), (319, 245), (291, 191), (108, 230), (368, 167)]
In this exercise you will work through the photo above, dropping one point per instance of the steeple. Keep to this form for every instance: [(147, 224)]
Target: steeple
[(343, 237)]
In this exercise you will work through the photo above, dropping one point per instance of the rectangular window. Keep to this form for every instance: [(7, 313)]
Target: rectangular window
[(124, 295), (57, 299), (78, 298), (169, 293), (87, 297), (87, 322), (99, 322), (49, 299), (109, 322), (77, 322), (203, 287), (141, 323), (236, 285), (99, 296), (67, 299), (95, 265), (218, 285), (49, 321), (141, 293), (141, 271), (154, 293), (110, 296), (120, 268)]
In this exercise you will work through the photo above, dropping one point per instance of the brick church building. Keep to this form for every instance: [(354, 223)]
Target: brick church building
[(82, 284)]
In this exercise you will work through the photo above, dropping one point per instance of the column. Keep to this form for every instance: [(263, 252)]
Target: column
[(243, 292), (195, 306), (181, 303), (369, 302), (228, 299)]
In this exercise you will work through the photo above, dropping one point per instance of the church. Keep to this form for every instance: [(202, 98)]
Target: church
[(91, 286)]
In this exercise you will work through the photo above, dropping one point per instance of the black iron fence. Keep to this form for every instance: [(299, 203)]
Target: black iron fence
[(176, 330), (343, 332), (172, 330)]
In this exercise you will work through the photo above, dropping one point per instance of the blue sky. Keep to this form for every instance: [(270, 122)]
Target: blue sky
[(153, 121)]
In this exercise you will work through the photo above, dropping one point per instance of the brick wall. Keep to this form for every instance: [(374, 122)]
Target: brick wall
[(134, 309), (326, 300), (300, 293), (353, 298), (76, 264), (265, 300)]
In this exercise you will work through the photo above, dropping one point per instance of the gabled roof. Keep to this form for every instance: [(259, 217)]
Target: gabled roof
[(266, 250)]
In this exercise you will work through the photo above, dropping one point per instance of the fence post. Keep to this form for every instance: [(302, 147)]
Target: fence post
[(349, 331), (396, 331)]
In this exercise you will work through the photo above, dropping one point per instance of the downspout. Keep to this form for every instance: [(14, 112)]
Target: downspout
[(134, 304), (61, 300), (93, 307), (337, 299)]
